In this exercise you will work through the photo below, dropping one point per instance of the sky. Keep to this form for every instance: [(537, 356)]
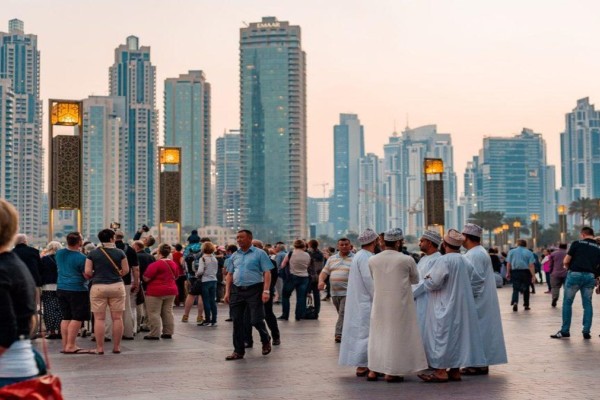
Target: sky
[(475, 68)]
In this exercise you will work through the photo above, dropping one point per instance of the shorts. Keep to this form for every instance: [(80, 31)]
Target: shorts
[(112, 294), (74, 305), (195, 287)]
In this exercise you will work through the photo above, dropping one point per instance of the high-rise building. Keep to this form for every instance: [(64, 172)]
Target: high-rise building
[(348, 149), (273, 130), (134, 77), (20, 63), (105, 164), (228, 179), (7, 108), (404, 185), (580, 152), (187, 125), (371, 196), (511, 176)]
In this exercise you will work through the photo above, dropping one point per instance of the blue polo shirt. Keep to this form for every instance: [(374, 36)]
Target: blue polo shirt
[(520, 258), (248, 266)]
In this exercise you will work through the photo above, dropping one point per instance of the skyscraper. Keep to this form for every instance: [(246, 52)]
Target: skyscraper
[(348, 148), (20, 63), (105, 172), (134, 77), (580, 152), (7, 105), (371, 195), (511, 176), (273, 130), (228, 180), (187, 125), (403, 166)]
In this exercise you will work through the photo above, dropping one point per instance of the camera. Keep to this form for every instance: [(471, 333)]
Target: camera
[(145, 228)]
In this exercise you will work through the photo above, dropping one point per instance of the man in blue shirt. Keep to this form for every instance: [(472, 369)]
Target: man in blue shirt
[(72, 292), (521, 271), (248, 286)]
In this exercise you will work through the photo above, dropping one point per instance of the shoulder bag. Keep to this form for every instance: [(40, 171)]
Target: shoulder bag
[(112, 262)]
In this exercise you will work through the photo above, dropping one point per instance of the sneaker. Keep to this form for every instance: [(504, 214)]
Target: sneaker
[(554, 301), (515, 307), (527, 308), (206, 323), (587, 335), (199, 321), (213, 324), (560, 335), (184, 318)]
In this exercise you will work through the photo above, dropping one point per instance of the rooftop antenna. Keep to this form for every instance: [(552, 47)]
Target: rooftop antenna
[(395, 133), (407, 125)]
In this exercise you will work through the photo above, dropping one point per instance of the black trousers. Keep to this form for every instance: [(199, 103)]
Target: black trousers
[(242, 299), (270, 319), (520, 278)]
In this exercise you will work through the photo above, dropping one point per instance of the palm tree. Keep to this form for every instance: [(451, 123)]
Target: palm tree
[(583, 206), (488, 220)]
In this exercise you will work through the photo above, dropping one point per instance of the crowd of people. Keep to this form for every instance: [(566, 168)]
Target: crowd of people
[(441, 305)]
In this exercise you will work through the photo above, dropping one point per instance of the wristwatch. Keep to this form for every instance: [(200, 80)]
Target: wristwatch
[(267, 291)]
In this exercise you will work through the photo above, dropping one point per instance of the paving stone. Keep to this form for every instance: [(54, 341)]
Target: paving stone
[(192, 365)]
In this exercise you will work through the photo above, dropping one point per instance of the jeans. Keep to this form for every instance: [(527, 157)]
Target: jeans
[(209, 298), (300, 284), (10, 381), (578, 281), (520, 278), (241, 299)]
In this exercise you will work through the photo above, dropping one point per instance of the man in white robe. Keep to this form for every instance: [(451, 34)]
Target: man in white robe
[(452, 336), (359, 298), (486, 301), (395, 344), (429, 244)]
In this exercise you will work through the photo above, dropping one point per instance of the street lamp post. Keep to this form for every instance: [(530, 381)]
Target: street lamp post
[(505, 234), (517, 230), (534, 229), (433, 171), (562, 222)]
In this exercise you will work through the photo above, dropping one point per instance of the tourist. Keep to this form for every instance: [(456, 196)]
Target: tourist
[(558, 273), (50, 306), (161, 289), (520, 270), (317, 262), (298, 280), (208, 267)]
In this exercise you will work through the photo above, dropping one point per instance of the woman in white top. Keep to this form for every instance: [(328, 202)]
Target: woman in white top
[(208, 267), (298, 261)]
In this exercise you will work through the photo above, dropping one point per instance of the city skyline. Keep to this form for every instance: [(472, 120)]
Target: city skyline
[(431, 67)]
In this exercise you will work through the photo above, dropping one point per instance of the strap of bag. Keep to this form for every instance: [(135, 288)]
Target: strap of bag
[(117, 269), (170, 269)]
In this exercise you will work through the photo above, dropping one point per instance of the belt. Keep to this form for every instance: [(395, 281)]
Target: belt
[(248, 287)]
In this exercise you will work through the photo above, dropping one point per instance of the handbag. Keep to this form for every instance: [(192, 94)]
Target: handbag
[(140, 297), (44, 387)]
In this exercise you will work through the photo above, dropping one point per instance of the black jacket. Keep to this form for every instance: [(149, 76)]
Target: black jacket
[(31, 258)]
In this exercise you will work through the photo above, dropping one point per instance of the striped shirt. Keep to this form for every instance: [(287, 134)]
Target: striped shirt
[(338, 269)]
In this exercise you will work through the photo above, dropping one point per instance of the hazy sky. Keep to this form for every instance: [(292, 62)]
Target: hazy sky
[(475, 68)]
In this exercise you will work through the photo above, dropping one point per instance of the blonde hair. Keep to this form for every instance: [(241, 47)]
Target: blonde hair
[(9, 221), (53, 247), (208, 248)]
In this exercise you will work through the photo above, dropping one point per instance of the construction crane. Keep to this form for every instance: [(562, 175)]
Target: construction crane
[(324, 185)]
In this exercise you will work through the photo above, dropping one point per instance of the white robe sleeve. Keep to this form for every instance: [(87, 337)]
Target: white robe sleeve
[(366, 276), (477, 275), (437, 275)]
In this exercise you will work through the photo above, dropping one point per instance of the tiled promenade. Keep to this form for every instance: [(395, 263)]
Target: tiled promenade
[(192, 365)]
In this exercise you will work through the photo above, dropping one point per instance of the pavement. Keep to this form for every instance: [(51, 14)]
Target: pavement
[(192, 365)]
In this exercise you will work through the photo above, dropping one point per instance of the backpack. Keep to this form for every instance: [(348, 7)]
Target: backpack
[(191, 261)]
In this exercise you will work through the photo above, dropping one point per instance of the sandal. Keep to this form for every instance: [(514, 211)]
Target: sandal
[(432, 378), (362, 371), (393, 378), (475, 371), (372, 376)]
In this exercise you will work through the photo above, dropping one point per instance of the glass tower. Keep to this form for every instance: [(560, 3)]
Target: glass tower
[(348, 148), (105, 163), (580, 152), (133, 76), (20, 63), (228, 180), (273, 130), (7, 103), (187, 125)]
